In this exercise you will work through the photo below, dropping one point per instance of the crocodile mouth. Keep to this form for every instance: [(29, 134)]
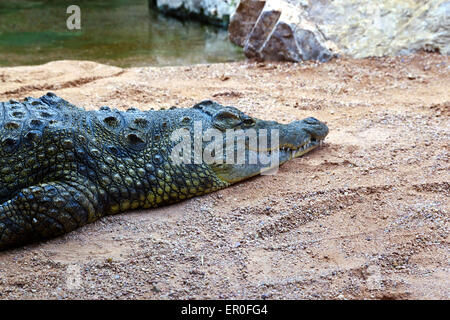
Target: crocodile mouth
[(232, 173), (288, 151), (294, 140), (295, 152)]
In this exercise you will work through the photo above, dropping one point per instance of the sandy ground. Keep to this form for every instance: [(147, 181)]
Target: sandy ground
[(364, 217)]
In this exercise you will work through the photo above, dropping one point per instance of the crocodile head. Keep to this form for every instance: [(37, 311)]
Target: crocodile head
[(275, 143)]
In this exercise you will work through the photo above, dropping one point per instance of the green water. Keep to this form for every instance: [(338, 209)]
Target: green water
[(124, 33)]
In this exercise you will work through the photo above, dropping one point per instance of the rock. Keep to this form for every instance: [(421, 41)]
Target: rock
[(388, 27), (244, 20), (279, 32), (295, 30), (215, 12)]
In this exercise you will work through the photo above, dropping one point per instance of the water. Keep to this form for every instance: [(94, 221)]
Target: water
[(124, 33)]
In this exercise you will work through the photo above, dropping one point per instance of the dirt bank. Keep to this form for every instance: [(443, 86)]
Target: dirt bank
[(366, 216)]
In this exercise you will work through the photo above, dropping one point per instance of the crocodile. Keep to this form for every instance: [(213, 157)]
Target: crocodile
[(62, 167)]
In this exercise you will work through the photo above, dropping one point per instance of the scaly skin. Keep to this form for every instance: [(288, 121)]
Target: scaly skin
[(62, 167)]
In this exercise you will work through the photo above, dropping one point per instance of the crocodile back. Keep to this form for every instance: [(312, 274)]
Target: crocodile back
[(30, 136), (124, 154)]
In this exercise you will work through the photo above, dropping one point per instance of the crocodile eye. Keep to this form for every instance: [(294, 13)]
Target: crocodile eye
[(248, 121), (226, 119), (226, 115)]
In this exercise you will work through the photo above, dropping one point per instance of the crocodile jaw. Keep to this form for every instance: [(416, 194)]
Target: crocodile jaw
[(288, 153), (295, 142)]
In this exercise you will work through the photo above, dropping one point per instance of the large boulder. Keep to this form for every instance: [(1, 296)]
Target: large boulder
[(296, 30), (276, 30), (216, 12), (244, 19)]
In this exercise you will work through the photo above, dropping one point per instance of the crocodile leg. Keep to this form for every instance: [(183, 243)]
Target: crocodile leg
[(48, 210)]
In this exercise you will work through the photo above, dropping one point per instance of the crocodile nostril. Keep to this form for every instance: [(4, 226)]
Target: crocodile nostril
[(311, 120)]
